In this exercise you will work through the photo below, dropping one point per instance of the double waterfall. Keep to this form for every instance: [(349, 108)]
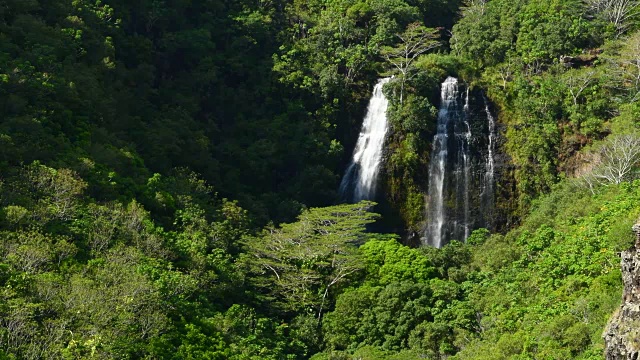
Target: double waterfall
[(461, 168), (359, 181)]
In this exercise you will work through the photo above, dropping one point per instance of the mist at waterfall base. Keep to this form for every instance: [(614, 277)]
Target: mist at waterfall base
[(461, 168), (361, 177)]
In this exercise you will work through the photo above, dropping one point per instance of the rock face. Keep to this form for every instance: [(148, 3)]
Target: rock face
[(622, 334)]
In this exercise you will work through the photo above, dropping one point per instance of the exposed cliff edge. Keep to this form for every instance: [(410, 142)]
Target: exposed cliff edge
[(622, 334)]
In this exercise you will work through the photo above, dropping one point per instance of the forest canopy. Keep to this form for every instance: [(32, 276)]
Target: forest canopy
[(169, 178)]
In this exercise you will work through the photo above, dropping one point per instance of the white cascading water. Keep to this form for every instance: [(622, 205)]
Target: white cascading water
[(359, 181), (462, 168), (466, 101), (490, 162), (437, 167), (465, 151)]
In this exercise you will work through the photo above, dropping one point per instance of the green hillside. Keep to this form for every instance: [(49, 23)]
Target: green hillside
[(169, 174)]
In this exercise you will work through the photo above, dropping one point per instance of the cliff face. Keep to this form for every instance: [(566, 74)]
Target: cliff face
[(622, 334)]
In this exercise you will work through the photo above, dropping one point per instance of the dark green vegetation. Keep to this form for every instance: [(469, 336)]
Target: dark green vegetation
[(166, 171)]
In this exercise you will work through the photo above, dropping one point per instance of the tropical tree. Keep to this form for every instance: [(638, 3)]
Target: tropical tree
[(614, 161), (619, 13), (299, 263), (414, 41)]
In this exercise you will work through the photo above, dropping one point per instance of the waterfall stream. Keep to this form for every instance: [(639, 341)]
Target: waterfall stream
[(461, 168), (359, 181), (450, 115), (489, 175)]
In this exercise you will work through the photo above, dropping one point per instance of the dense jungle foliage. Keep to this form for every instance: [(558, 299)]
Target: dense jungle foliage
[(168, 177)]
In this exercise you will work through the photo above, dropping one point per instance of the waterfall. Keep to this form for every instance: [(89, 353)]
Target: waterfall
[(359, 181), (465, 151), (462, 167), (489, 174), (447, 116), (466, 101)]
